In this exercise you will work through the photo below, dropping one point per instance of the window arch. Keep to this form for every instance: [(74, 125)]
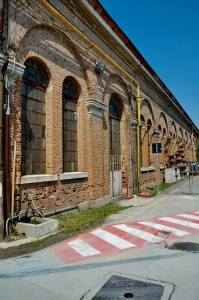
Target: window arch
[(71, 92), (33, 127)]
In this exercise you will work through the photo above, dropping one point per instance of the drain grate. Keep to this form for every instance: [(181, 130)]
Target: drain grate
[(184, 246), (117, 288)]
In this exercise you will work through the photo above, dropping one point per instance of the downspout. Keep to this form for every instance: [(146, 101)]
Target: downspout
[(1, 130), (13, 179), (138, 137), (7, 80), (1, 165), (47, 6)]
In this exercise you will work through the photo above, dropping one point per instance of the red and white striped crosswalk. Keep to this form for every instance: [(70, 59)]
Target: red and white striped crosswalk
[(119, 237)]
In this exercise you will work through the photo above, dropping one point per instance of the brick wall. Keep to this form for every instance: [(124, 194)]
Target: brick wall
[(36, 34)]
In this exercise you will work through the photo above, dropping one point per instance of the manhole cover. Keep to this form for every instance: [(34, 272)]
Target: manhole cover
[(118, 287), (184, 246)]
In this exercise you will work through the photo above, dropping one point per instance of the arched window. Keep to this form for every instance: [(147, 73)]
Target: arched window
[(115, 117), (143, 142), (71, 93), (33, 127), (149, 126)]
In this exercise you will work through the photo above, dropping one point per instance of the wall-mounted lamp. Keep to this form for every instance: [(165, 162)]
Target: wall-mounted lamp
[(157, 132), (134, 124), (99, 67), (169, 138), (178, 141)]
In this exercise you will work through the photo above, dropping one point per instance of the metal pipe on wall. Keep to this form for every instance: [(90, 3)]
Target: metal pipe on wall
[(1, 132), (1, 165)]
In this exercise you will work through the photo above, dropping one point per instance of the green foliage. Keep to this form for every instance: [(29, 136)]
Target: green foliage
[(81, 221), (162, 186)]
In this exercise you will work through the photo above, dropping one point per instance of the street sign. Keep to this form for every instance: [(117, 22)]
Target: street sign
[(157, 148)]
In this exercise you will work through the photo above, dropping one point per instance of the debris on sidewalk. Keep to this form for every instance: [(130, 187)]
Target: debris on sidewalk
[(145, 194)]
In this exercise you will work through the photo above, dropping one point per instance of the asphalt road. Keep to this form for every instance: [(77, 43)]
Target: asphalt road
[(44, 275)]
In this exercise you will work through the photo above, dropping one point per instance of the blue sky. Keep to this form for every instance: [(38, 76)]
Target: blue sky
[(167, 35)]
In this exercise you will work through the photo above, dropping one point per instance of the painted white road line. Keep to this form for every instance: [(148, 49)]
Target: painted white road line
[(166, 228), (139, 233), (189, 216), (83, 248), (112, 239), (180, 222)]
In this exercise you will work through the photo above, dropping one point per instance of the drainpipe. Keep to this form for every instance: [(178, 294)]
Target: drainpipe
[(47, 6), (7, 155), (1, 166), (138, 136), (12, 71), (13, 179)]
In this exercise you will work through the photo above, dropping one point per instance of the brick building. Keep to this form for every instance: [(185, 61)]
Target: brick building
[(80, 109)]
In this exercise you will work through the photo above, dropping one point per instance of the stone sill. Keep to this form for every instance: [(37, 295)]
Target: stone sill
[(148, 169), (47, 177), (73, 175), (36, 178)]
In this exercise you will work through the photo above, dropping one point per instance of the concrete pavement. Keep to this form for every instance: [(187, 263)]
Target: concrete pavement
[(48, 277)]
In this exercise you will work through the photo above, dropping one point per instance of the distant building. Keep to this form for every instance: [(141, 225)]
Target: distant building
[(80, 107)]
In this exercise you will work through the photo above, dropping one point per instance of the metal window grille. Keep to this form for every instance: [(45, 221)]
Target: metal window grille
[(70, 141), (33, 121)]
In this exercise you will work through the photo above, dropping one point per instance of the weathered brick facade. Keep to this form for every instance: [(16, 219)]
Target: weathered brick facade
[(38, 34)]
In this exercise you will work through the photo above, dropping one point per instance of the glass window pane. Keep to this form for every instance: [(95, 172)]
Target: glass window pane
[(29, 89), (23, 168), (34, 107), (28, 116), (23, 115), (38, 169), (33, 130), (43, 155), (43, 144), (23, 102), (39, 106), (43, 107), (23, 89), (43, 119), (38, 143), (28, 168), (29, 103), (34, 155), (28, 157), (34, 168), (43, 168), (38, 131), (34, 120), (43, 133), (38, 118)]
